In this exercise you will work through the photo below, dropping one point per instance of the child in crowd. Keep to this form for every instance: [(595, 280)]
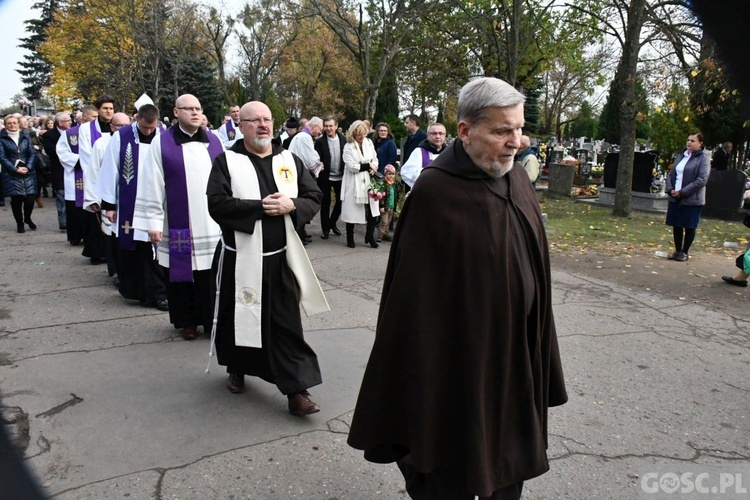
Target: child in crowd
[(387, 204)]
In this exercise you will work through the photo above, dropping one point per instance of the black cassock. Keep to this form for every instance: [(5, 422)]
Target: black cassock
[(285, 358)]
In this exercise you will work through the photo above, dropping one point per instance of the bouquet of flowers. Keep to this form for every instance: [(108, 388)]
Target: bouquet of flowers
[(377, 189)]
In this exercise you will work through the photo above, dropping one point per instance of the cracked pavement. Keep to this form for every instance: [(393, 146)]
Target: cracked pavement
[(107, 401)]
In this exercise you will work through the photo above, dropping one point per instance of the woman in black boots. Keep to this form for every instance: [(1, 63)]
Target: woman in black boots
[(19, 177), (360, 161)]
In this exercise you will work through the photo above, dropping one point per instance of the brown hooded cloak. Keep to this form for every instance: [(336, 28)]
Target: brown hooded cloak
[(465, 362)]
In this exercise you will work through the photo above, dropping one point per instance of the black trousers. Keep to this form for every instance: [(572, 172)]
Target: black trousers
[(94, 242), (329, 219), (191, 304), (446, 484), (73, 222), (141, 276)]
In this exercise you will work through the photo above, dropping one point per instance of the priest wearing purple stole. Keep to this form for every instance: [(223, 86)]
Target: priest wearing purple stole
[(141, 277), (230, 132), (171, 206), (67, 152), (94, 243), (258, 193)]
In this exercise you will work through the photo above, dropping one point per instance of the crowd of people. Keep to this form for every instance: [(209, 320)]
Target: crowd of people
[(210, 225)]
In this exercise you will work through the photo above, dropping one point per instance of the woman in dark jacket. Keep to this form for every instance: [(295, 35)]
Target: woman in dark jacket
[(686, 187), (19, 177), (385, 146)]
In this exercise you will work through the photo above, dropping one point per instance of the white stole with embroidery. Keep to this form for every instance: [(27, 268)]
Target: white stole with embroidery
[(248, 274)]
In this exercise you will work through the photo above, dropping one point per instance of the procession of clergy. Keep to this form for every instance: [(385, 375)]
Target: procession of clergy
[(210, 237)]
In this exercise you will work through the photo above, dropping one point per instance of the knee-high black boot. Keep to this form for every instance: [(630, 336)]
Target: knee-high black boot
[(28, 207), (16, 205), (370, 228), (350, 235)]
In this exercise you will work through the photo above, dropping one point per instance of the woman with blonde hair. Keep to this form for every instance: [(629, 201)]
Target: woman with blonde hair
[(19, 176), (360, 162)]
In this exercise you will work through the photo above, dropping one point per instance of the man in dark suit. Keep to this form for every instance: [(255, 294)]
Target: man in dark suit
[(49, 142), (720, 160), (330, 147)]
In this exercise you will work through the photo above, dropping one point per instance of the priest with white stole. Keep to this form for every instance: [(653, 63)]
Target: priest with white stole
[(67, 151), (170, 204), (258, 193), (230, 131), (140, 276)]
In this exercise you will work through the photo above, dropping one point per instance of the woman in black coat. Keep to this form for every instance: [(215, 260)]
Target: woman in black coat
[(17, 158), (686, 187)]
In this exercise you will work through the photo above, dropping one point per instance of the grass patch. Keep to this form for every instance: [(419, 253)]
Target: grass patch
[(582, 227)]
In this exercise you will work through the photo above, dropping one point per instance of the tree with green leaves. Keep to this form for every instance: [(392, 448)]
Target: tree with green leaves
[(36, 70), (373, 32), (664, 25), (671, 123)]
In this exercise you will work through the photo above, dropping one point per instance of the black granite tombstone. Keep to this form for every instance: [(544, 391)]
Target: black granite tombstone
[(724, 195), (643, 171)]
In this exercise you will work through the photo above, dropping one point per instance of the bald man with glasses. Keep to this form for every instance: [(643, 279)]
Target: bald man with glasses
[(428, 150)]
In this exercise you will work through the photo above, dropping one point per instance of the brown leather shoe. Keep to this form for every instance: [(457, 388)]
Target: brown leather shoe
[(300, 404), (189, 333), (236, 383)]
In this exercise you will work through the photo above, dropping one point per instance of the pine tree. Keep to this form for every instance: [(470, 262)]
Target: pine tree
[(35, 70)]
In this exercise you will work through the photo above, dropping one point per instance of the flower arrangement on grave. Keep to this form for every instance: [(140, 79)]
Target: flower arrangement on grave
[(377, 189), (658, 181), (592, 190), (597, 171)]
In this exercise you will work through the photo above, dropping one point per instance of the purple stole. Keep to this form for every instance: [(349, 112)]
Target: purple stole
[(231, 134), (178, 212), (425, 157), (128, 182), (72, 137), (95, 134)]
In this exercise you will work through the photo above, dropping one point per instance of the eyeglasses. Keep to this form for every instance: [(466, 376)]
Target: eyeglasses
[(258, 120), (436, 133), (191, 109)]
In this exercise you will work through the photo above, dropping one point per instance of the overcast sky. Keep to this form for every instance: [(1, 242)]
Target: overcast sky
[(14, 13)]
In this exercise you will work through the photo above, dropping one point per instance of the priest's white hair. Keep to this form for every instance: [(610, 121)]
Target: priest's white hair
[(482, 93)]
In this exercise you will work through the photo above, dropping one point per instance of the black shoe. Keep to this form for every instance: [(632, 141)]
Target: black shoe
[(20, 228), (336, 231), (95, 261), (324, 236), (307, 239), (63, 227), (162, 305), (236, 383), (682, 257), (673, 256), (732, 281), (350, 244), (32, 226)]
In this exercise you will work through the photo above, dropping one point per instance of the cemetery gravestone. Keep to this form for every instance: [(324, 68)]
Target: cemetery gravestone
[(724, 195), (560, 179), (643, 171)]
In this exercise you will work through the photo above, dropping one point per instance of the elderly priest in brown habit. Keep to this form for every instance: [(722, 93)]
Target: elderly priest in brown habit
[(465, 362)]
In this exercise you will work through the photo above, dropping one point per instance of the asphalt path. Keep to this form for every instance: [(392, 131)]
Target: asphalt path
[(107, 401)]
